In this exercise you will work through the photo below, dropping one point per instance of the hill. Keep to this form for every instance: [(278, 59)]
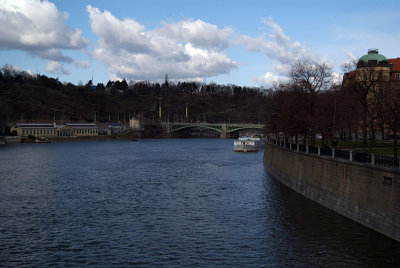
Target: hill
[(41, 99)]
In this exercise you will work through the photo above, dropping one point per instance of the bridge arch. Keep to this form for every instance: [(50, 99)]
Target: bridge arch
[(236, 129), (182, 127), (224, 129)]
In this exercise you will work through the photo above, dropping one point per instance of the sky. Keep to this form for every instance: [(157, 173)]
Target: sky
[(247, 43)]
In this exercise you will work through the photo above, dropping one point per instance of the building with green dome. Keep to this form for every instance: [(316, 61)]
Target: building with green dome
[(373, 59), (373, 67), (374, 63)]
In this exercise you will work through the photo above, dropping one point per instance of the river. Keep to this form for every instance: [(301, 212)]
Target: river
[(166, 203)]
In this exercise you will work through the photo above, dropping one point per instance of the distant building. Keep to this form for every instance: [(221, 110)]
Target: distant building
[(374, 73), (53, 130), (134, 124), (373, 64), (378, 65), (115, 127), (394, 65)]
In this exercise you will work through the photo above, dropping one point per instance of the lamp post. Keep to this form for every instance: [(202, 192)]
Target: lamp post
[(187, 110), (159, 109)]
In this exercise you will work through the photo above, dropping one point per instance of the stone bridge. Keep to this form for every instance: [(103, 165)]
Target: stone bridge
[(222, 128)]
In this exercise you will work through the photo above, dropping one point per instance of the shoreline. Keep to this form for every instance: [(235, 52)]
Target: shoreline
[(363, 193)]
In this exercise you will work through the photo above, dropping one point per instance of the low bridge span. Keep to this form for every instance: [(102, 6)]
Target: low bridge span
[(222, 128)]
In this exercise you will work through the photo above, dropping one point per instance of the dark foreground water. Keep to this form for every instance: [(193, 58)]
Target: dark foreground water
[(166, 203)]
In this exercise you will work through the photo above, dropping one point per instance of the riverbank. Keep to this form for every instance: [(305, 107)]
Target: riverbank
[(18, 139), (366, 194), (99, 137)]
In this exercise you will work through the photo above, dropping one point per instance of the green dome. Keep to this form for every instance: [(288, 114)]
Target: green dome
[(373, 55)]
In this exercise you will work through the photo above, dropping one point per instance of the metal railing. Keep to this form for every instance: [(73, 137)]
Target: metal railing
[(325, 151), (387, 161), (342, 154), (351, 156), (313, 149), (361, 157)]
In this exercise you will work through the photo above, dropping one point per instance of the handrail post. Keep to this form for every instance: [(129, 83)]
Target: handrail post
[(306, 148), (333, 152), (297, 149), (351, 156), (372, 159), (319, 150)]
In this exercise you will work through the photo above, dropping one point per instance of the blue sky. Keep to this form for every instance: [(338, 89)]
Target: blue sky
[(249, 43)]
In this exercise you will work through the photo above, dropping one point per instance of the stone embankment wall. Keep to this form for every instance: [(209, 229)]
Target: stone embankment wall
[(365, 194)]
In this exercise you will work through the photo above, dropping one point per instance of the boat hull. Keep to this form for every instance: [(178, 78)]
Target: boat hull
[(248, 144)]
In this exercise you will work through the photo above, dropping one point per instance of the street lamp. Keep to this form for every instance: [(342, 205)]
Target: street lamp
[(187, 110)]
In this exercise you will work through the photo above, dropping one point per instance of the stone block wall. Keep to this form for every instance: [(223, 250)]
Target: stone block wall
[(365, 194)]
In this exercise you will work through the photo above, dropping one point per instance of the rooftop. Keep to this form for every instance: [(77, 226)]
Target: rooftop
[(44, 125), (372, 58), (34, 125), (80, 125), (396, 64)]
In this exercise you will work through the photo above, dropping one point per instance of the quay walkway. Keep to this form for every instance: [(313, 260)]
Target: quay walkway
[(340, 154)]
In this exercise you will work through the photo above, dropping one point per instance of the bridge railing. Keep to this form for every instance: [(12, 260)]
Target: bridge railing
[(346, 155)]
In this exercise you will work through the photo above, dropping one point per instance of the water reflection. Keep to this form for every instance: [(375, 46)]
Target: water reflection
[(311, 234)]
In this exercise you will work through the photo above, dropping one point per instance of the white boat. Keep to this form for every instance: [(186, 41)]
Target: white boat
[(248, 144)]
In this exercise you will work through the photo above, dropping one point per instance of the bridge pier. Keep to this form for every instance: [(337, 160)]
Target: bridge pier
[(224, 133), (168, 128)]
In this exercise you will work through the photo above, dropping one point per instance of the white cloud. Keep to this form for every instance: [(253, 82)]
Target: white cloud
[(38, 28), (82, 64), (269, 79), (198, 33), (53, 54), (337, 78), (36, 24), (56, 68), (187, 50), (277, 48), (351, 55)]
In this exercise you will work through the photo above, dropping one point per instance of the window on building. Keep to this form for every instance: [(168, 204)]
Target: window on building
[(380, 76), (397, 76)]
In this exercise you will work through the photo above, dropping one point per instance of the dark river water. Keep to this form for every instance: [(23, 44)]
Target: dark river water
[(166, 203)]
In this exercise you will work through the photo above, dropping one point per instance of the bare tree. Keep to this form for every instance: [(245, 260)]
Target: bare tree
[(350, 66), (366, 81), (311, 78), (377, 111), (9, 71), (391, 110)]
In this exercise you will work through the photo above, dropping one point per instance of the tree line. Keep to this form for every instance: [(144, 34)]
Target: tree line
[(309, 103), (37, 98), (366, 106)]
